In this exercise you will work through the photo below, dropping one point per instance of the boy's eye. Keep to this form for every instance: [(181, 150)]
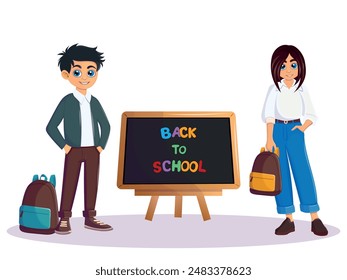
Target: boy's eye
[(283, 67), (91, 73), (77, 73), (294, 66)]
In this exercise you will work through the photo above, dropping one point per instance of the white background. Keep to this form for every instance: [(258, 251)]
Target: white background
[(171, 56)]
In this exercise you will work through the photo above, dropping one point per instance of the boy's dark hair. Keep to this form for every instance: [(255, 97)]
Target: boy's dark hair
[(79, 53), (279, 56)]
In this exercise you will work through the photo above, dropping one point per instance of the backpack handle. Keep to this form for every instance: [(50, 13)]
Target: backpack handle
[(52, 179), (276, 151), (43, 177)]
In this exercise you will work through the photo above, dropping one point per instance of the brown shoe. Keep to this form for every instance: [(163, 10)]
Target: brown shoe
[(92, 223), (63, 226), (318, 228), (286, 227)]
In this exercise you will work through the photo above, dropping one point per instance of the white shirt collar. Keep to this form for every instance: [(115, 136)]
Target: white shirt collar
[(281, 84), (80, 97)]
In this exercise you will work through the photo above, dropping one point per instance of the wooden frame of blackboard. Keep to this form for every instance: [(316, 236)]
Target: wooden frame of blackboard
[(171, 189), (179, 190)]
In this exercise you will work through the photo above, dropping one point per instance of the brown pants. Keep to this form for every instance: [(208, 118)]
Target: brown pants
[(73, 161)]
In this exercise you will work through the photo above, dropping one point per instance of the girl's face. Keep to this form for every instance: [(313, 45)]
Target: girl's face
[(289, 69)]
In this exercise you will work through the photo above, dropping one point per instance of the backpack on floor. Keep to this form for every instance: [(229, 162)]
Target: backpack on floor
[(39, 210), (265, 178)]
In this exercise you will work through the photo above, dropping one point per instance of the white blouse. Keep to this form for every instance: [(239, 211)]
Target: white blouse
[(288, 104)]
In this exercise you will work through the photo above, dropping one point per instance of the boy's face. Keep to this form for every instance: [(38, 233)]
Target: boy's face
[(83, 74)]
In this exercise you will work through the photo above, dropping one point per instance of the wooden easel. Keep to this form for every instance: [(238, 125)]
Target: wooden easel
[(178, 202)]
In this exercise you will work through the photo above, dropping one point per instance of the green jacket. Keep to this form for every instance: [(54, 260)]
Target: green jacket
[(69, 110)]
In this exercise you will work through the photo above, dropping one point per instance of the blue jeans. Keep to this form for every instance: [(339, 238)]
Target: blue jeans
[(293, 151)]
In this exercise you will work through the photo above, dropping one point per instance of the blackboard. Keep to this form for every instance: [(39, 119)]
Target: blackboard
[(177, 150)]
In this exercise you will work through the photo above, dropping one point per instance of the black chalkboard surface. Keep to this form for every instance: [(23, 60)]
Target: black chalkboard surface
[(178, 150)]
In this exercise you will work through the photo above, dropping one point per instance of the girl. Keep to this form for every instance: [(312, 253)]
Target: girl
[(287, 101)]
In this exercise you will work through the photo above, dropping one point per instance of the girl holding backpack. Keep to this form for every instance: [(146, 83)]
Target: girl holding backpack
[(288, 112)]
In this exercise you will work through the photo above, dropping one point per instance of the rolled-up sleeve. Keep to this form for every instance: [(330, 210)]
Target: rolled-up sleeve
[(309, 112), (268, 114)]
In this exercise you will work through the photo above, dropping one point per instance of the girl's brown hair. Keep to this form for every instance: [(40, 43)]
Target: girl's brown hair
[(278, 58)]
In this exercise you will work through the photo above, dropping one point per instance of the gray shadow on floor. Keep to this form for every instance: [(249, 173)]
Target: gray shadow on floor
[(190, 231)]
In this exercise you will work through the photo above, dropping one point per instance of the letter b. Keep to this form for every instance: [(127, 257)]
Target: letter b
[(165, 133)]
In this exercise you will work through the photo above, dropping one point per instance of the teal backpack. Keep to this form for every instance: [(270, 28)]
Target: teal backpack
[(39, 210)]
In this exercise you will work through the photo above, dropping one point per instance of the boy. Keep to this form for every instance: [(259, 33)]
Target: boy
[(83, 141)]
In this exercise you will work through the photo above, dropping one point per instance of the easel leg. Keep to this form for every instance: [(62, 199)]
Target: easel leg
[(178, 206), (203, 207), (151, 208)]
